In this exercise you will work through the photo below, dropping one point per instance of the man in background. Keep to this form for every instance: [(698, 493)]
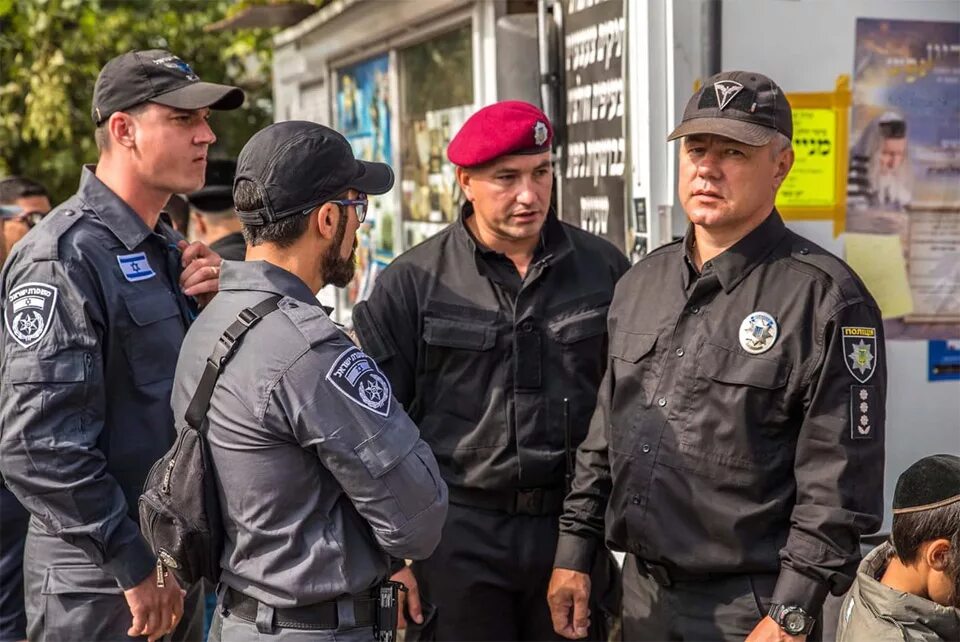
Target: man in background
[(33, 202), (213, 220)]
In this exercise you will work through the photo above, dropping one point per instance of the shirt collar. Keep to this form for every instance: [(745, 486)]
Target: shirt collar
[(735, 264), (554, 242), (262, 276), (125, 224)]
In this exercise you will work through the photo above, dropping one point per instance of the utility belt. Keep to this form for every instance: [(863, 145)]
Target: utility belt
[(525, 501), (375, 608)]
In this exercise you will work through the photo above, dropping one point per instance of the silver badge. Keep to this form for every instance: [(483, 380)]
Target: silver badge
[(28, 312), (758, 332), (726, 91), (540, 133)]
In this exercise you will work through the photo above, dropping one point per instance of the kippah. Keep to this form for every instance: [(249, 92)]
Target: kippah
[(932, 482)]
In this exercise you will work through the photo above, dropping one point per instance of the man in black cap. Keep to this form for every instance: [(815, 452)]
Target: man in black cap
[(96, 301), (493, 333), (736, 453), (213, 220), (909, 587), (322, 475)]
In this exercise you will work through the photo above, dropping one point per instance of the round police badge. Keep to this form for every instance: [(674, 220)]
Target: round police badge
[(758, 332)]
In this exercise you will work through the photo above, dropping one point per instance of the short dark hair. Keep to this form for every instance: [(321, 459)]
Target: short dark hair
[(282, 233), (14, 187), (102, 137), (910, 530)]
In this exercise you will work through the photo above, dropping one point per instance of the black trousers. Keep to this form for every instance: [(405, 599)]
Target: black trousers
[(13, 532), (723, 609), (488, 578)]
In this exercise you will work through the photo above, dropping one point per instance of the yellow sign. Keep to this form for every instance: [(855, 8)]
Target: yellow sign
[(878, 260), (812, 181)]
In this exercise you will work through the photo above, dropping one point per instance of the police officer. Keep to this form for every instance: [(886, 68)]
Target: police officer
[(493, 334), (321, 472), (96, 301), (736, 453)]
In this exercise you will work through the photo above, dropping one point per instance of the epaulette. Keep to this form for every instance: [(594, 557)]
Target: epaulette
[(312, 322), (829, 267), (46, 247), (662, 249)]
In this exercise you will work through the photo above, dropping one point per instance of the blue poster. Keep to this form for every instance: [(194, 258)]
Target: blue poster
[(363, 108), (944, 360)]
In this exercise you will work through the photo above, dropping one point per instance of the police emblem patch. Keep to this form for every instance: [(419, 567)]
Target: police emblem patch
[(359, 379), (860, 352), (758, 332), (539, 133), (726, 91), (28, 312), (135, 267)]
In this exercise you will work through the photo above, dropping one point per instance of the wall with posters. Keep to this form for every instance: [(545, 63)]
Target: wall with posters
[(804, 45)]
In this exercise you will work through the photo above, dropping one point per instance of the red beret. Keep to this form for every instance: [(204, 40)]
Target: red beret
[(508, 127)]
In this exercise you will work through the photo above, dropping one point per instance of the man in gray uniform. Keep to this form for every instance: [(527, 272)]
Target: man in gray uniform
[(96, 300), (321, 474)]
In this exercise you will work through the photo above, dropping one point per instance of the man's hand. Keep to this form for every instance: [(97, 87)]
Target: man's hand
[(201, 271), (156, 611), (769, 631), (411, 598), (569, 596)]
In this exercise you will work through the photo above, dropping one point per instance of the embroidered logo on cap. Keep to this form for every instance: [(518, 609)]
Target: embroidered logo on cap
[(540, 133), (359, 379), (135, 267), (860, 349), (726, 91), (758, 332), (28, 312), (172, 62)]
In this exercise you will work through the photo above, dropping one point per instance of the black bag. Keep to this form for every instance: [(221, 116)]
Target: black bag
[(179, 507)]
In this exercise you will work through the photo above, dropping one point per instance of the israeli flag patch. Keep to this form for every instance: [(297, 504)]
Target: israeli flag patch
[(359, 379), (135, 267)]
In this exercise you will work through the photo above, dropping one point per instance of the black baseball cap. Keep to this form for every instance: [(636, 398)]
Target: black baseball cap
[(156, 76), (743, 105), (297, 165), (216, 194)]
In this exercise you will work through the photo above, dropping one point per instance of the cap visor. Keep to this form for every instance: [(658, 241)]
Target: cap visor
[(202, 94), (373, 178), (746, 133)]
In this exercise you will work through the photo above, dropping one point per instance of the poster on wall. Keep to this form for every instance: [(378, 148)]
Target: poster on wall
[(593, 189), (363, 117), (903, 184)]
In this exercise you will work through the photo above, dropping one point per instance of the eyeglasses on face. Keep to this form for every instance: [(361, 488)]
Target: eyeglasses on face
[(360, 203)]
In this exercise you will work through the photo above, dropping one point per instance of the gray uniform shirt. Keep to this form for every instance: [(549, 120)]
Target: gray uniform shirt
[(93, 320), (321, 473)]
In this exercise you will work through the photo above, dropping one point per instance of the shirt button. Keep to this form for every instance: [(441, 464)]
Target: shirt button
[(635, 499), (679, 352), (645, 448), (695, 309), (662, 401), (526, 326)]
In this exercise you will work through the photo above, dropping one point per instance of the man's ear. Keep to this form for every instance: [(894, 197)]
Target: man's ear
[(784, 163), (328, 216), (122, 128), (937, 554), (463, 177)]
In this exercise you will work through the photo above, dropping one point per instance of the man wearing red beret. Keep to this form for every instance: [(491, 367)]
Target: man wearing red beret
[(493, 334)]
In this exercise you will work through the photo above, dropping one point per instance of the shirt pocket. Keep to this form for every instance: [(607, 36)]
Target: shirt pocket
[(152, 338), (581, 341), (632, 359), (736, 413)]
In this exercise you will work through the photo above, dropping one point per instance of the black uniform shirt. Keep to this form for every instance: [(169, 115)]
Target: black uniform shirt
[(483, 360), (93, 320), (739, 427)]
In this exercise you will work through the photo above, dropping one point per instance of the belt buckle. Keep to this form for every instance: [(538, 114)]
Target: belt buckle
[(529, 501)]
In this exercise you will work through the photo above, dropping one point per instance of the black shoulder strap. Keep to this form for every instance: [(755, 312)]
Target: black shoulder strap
[(224, 349)]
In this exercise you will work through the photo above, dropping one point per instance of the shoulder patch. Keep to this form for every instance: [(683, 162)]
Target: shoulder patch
[(860, 351), (28, 311), (357, 377)]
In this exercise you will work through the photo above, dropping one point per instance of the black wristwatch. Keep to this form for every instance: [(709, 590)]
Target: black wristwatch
[(792, 619)]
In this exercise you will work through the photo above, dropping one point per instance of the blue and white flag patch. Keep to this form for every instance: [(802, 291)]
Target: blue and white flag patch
[(28, 311), (359, 379), (135, 267)]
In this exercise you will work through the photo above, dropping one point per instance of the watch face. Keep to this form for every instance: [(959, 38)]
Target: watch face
[(794, 623)]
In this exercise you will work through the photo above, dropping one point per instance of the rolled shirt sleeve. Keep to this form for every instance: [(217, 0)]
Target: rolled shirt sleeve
[(52, 413), (839, 460)]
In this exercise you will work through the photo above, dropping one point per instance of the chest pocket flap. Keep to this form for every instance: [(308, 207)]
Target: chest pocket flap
[(150, 308), (727, 366), (630, 346), (448, 333), (580, 326)]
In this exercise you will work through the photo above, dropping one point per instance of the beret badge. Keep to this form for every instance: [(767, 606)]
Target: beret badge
[(540, 133)]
